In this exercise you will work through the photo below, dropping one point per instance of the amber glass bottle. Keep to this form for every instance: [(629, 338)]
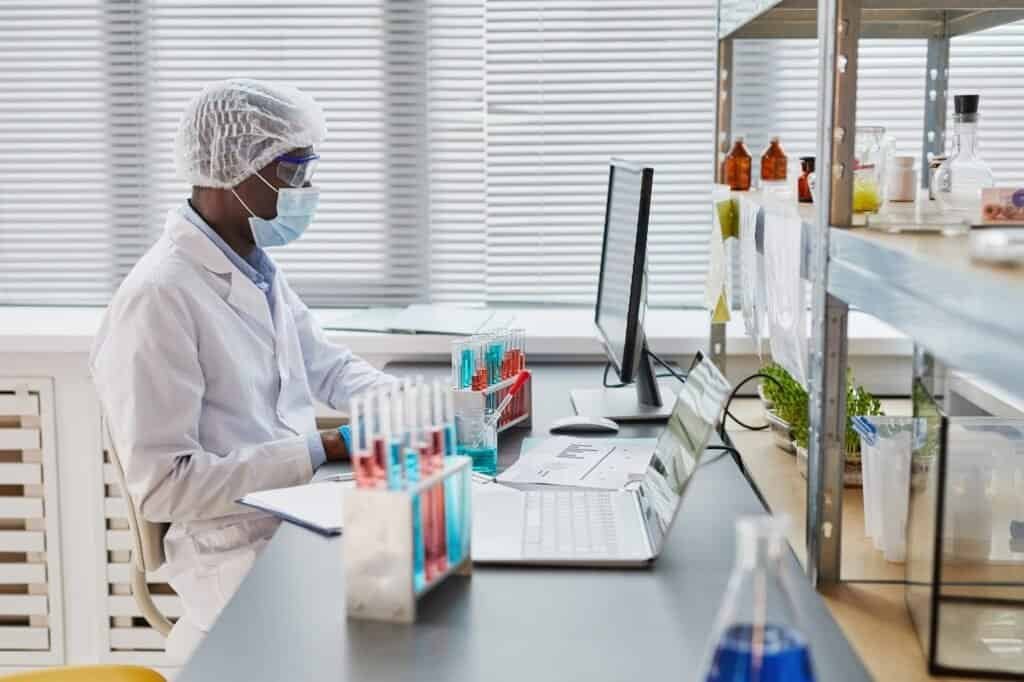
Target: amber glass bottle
[(736, 168), (773, 162)]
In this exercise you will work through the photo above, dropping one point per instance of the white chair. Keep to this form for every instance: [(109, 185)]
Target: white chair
[(147, 550)]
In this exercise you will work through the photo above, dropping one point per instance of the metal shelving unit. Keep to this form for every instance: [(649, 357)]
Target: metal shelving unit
[(923, 284)]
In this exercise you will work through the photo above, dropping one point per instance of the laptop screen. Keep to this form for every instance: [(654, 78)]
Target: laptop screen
[(680, 446)]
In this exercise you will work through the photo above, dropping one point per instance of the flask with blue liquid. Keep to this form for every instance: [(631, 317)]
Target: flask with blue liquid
[(756, 636)]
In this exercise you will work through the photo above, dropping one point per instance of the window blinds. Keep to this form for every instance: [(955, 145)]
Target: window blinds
[(363, 62), (571, 83), (468, 141), (56, 244)]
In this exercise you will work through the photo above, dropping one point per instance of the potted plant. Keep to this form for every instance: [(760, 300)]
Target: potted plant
[(785, 401), (858, 402)]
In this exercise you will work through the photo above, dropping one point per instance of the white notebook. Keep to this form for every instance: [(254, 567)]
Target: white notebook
[(316, 506)]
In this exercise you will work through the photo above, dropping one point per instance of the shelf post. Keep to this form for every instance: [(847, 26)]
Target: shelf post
[(838, 35), (723, 133), (936, 95)]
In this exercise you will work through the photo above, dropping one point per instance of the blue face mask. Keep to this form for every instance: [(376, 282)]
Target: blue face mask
[(296, 207)]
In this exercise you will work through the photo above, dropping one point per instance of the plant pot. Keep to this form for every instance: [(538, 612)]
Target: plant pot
[(853, 476), (781, 431)]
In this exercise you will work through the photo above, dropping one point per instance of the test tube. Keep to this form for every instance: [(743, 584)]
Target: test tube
[(457, 364), (362, 462), (377, 440), (452, 488), (412, 474), (467, 364), (396, 455), (422, 422), (437, 466), (390, 474), (519, 364)]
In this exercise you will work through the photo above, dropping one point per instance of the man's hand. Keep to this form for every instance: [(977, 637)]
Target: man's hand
[(334, 445)]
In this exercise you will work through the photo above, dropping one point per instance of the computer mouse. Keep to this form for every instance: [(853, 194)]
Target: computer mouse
[(581, 424)]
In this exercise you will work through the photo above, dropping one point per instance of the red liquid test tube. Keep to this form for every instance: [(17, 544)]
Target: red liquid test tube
[(440, 527), (427, 515)]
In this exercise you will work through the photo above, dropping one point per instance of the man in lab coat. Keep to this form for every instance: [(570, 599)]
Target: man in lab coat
[(207, 363)]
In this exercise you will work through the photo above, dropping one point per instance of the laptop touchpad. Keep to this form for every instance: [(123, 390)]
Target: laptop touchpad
[(497, 523)]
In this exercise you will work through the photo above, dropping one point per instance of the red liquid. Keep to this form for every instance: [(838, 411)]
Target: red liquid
[(365, 470), (440, 527), (426, 509), (380, 461)]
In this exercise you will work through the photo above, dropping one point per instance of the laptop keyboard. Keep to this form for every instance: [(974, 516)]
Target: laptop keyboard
[(569, 523)]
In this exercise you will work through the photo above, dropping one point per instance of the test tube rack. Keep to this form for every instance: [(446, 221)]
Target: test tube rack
[(469, 400), (379, 546)]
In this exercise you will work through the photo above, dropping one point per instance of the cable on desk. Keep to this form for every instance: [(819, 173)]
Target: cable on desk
[(671, 371), (608, 367), (735, 391), (725, 450)]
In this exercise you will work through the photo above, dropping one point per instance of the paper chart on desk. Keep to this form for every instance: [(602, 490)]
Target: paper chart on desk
[(601, 464)]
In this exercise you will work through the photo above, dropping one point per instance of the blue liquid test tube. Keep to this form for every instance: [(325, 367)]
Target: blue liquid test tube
[(412, 477)]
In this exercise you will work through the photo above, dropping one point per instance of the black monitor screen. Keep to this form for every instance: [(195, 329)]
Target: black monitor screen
[(619, 304)]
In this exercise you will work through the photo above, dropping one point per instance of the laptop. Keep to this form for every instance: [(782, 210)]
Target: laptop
[(569, 526)]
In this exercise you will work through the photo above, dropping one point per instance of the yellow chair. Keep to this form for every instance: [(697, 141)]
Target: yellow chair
[(88, 673)]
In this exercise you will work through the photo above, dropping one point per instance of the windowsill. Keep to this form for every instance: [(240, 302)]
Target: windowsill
[(558, 333)]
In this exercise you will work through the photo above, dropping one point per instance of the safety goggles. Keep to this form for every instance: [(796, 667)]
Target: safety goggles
[(297, 170)]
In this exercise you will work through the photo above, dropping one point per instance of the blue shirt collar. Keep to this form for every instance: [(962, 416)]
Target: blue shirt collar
[(257, 267)]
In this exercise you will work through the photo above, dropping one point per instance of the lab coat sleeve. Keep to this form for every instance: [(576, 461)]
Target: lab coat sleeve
[(151, 386), (335, 373)]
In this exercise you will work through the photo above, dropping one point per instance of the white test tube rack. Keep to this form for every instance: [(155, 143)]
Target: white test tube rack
[(466, 400), (378, 544)]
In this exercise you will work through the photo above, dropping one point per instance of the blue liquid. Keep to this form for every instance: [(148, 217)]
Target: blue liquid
[(395, 465), (412, 475), (467, 367), (485, 460), (778, 654), (453, 518)]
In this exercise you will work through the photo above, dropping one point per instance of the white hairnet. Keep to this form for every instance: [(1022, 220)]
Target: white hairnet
[(235, 127)]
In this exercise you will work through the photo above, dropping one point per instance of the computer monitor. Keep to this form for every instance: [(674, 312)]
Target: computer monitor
[(622, 302)]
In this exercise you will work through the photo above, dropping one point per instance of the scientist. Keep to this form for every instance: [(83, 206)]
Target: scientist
[(207, 363)]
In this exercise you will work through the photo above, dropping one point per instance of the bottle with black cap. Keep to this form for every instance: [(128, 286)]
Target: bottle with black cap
[(959, 181)]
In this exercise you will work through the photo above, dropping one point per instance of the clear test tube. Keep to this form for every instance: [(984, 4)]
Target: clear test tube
[(396, 454), (519, 365), (422, 405), (457, 363), (437, 466), (412, 476), (453, 487), (377, 440), (362, 462)]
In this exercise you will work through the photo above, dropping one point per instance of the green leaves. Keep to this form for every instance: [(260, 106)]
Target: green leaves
[(791, 404)]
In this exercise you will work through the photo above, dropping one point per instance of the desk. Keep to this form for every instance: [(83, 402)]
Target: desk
[(288, 620)]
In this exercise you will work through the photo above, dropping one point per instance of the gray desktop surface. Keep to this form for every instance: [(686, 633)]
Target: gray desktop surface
[(287, 622)]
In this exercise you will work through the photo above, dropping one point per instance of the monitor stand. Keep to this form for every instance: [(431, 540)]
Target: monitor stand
[(641, 401)]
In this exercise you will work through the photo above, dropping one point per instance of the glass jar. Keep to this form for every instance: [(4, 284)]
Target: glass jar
[(959, 181), (477, 438), (902, 183), (736, 167), (871, 151), (773, 162)]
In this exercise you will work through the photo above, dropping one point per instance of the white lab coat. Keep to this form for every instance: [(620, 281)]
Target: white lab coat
[(210, 397)]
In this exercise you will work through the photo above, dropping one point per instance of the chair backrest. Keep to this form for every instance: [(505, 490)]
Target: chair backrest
[(147, 548), (147, 537)]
